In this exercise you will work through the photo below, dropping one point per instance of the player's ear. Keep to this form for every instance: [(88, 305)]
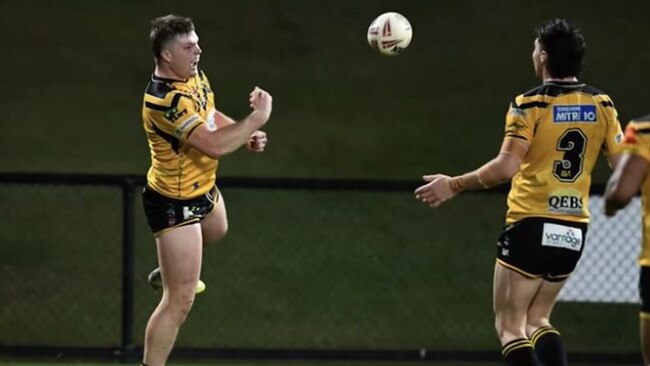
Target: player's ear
[(543, 57), (166, 55)]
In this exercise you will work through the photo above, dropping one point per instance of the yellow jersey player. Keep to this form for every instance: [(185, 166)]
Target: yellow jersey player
[(630, 176), (186, 136), (553, 136)]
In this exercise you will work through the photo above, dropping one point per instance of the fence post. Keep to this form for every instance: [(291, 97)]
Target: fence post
[(127, 353)]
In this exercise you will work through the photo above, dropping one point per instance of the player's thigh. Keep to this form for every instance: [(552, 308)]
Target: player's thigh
[(539, 313), (215, 225), (179, 255), (512, 295)]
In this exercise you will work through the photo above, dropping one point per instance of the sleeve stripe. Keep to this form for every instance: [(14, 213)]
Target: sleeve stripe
[(158, 107), (536, 104), (192, 130), (517, 137), (155, 107)]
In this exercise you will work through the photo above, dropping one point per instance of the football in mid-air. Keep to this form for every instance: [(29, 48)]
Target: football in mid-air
[(390, 33)]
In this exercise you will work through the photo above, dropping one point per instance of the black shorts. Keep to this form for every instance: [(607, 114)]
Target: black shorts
[(542, 247), (644, 289), (165, 213)]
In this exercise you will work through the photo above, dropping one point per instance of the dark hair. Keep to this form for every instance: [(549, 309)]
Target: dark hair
[(166, 28), (565, 46)]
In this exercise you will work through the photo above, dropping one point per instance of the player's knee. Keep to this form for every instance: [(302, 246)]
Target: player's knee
[(216, 233), (537, 318), (178, 308), (499, 325), (509, 326), (534, 322)]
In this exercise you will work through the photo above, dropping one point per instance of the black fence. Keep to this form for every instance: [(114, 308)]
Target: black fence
[(332, 269)]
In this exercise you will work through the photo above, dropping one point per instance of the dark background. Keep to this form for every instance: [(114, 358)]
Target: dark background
[(74, 71)]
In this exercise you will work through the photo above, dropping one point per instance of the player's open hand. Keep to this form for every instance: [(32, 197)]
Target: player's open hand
[(262, 102), (436, 191), (257, 141)]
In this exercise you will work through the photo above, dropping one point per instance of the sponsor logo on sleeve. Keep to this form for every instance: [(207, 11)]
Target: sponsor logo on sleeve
[(561, 236), (574, 113), (173, 114), (619, 138), (180, 130), (212, 124)]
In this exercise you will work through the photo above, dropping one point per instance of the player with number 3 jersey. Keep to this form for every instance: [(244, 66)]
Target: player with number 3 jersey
[(554, 134), (566, 125)]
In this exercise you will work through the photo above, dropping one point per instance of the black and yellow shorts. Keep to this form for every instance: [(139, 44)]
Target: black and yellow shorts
[(539, 247), (165, 213)]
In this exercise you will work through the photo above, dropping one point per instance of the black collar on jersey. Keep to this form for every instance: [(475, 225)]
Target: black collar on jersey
[(563, 83), (164, 80)]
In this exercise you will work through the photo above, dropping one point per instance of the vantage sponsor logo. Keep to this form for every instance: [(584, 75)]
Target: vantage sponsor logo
[(561, 236)]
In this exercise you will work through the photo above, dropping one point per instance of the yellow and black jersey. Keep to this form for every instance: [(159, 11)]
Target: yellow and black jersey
[(637, 142), (171, 111), (567, 125)]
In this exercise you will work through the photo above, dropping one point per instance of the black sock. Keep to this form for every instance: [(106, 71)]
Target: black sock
[(549, 347), (519, 353)]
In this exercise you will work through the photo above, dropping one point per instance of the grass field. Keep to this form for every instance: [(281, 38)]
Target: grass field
[(295, 363), (268, 363)]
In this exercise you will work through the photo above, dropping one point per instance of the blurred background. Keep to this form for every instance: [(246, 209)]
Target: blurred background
[(305, 267)]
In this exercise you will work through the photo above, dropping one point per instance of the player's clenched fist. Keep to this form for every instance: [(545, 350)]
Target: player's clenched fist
[(257, 141), (262, 102)]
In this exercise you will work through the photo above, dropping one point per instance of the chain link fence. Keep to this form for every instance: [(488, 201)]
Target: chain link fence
[(301, 269)]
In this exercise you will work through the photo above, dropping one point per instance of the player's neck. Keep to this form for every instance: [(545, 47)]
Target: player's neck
[(572, 78), (166, 73), (547, 78)]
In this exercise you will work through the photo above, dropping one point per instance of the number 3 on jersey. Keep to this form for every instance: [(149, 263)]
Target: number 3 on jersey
[(573, 143)]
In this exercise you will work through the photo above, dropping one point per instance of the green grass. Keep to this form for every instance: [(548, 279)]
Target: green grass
[(293, 363), (276, 363)]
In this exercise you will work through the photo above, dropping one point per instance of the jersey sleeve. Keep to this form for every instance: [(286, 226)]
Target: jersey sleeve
[(180, 119), (613, 143), (519, 123), (637, 139)]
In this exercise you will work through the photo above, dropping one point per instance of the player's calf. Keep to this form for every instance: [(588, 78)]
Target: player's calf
[(548, 346)]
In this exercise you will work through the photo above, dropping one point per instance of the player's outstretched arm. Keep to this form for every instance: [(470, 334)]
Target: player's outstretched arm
[(257, 140), (232, 136), (441, 188), (625, 182)]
